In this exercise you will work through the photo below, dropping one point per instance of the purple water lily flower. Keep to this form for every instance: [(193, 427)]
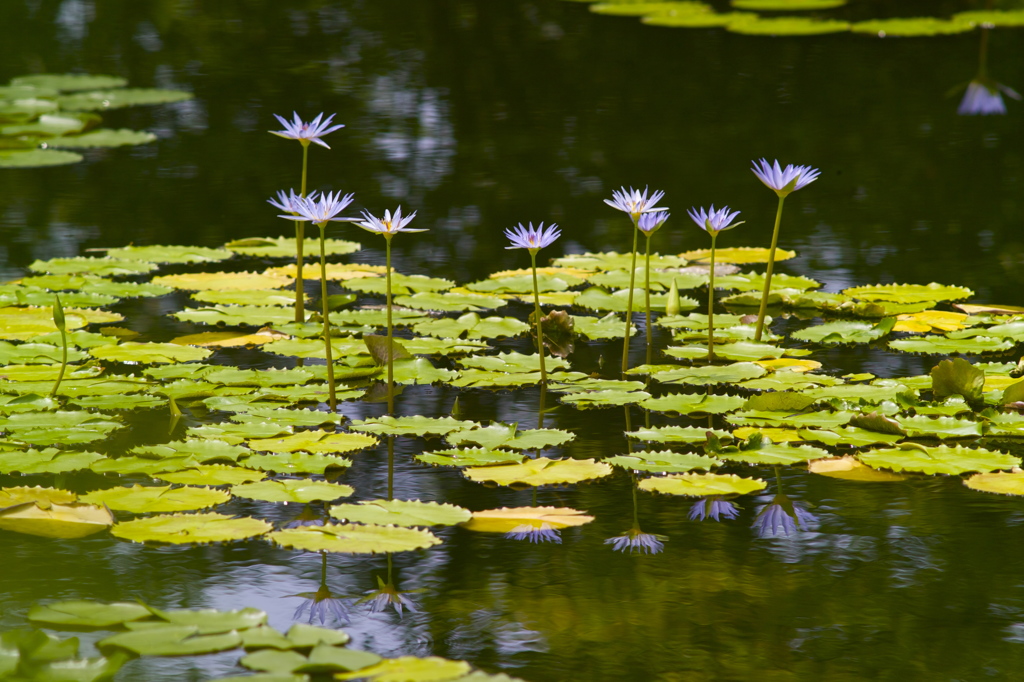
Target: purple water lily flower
[(532, 238), (783, 516), (784, 181), (543, 533), (712, 221), (650, 223), (388, 225), (635, 540), (323, 209), (297, 129), (985, 98), (634, 202), (289, 202), (713, 508)]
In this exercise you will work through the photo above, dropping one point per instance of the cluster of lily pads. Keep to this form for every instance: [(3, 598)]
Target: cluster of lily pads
[(42, 116), (139, 630), (748, 17)]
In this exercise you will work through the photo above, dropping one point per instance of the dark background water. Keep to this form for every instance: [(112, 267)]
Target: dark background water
[(483, 113)]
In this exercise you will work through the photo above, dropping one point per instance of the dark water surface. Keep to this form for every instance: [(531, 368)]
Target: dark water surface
[(483, 113)]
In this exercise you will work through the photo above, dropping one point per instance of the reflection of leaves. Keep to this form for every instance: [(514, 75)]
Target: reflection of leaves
[(558, 330)]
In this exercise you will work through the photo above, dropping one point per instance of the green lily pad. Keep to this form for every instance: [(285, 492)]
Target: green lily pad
[(411, 426), (355, 539), (401, 513), (470, 457), (607, 398), (599, 298), (61, 427), (284, 247), (523, 284), (909, 293), (201, 450), (411, 669), (90, 614), (849, 435), (472, 326), (292, 490), (940, 459), (69, 82), (142, 500), (842, 332), (774, 453), (297, 463), (611, 260), (640, 8), (611, 326), (104, 267), (512, 363), (539, 471), (710, 374), (956, 376), (190, 528), (660, 280), (677, 434), (822, 419), (912, 27), (238, 315), (786, 5), (784, 26), (209, 621), (940, 345), (700, 485), (870, 393), (150, 353), (745, 351), (400, 284), (259, 298), (509, 436), (102, 137), (941, 427), (37, 158), (211, 474), (171, 640), (664, 461), (48, 461), (993, 18), (449, 302), (35, 353), (101, 100), (223, 281), (694, 403), (170, 254), (24, 323), (316, 442)]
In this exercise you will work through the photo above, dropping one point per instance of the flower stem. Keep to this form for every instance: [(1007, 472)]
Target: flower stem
[(390, 350), (300, 237), (391, 468), (647, 294), (332, 396), (629, 301), (711, 303), (536, 313), (768, 274)]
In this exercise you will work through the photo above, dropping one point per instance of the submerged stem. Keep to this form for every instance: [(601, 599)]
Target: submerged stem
[(647, 294), (768, 274), (711, 303), (629, 300), (390, 350), (536, 313), (332, 396)]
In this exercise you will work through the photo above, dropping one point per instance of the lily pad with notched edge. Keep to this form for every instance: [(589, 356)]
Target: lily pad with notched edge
[(150, 353), (507, 519), (411, 426), (509, 436), (355, 539), (292, 490), (1001, 482), (171, 640), (143, 500), (211, 474), (699, 485), (540, 471), (940, 459), (850, 469), (401, 513), (190, 528), (87, 614), (664, 461), (317, 442), (470, 457)]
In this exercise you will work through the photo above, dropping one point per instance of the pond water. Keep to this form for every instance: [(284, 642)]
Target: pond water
[(480, 114)]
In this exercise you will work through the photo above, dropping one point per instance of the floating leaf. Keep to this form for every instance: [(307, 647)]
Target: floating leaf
[(823, 419), (37, 158), (102, 137), (992, 18), (598, 298), (355, 539), (512, 363), (48, 461), (956, 376), (212, 474), (540, 471), (851, 469), (710, 374), (292, 490), (317, 442), (508, 436), (69, 82), (189, 528), (142, 500), (676, 434), (741, 255), (918, 26), (939, 345), (909, 293), (849, 435), (1002, 483), (150, 353), (284, 247), (699, 485), (451, 302), (786, 5), (664, 461), (473, 327), (401, 513), (942, 427), (400, 284), (171, 640), (694, 403), (470, 457), (779, 401), (411, 669), (114, 99), (507, 519), (25, 323), (410, 426), (930, 321), (940, 459), (223, 281), (774, 453), (842, 332), (55, 520), (90, 614), (784, 26), (201, 450), (606, 398)]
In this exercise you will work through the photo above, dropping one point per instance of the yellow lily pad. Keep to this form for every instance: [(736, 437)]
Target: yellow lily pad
[(229, 339), (53, 520), (776, 435), (789, 365), (739, 255), (930, 321), (699, 485), (540, 471), (1002, 483), (850, 468), (509, 518), (355, 539), (141, 500), (188, 528), (223, 281), (20, 323), (317, 442)]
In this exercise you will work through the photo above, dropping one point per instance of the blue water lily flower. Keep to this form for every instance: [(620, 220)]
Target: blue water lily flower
[(289, 202), (321, 605), (714, 508), (388, 225), (634, 202), (532, 238), (635, 540), (713, 221), (297, 129), (784, 180), (543, 533), (323, 209), (387, 595), (650, 223)]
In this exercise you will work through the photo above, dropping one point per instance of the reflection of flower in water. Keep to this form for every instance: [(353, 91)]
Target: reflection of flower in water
[(715, 508), (543, 533), (782, 516), (321, 604), (984, 97), (635, 540), (387, 595)]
